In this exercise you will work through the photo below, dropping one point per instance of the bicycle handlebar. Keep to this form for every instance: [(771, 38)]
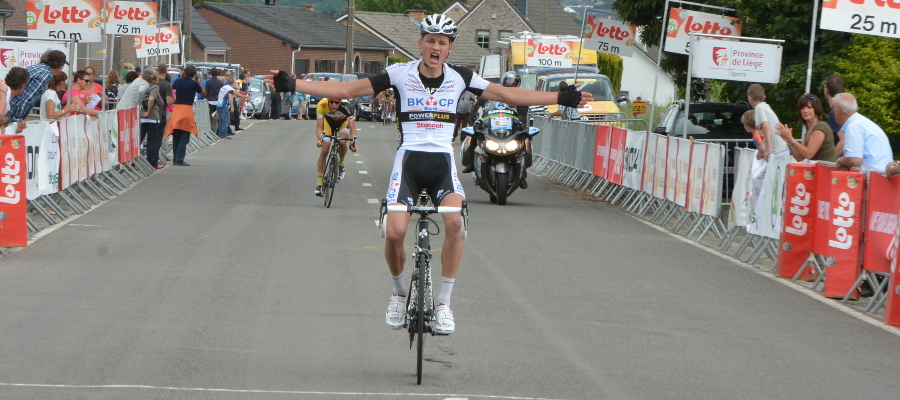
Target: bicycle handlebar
[(428, 209)]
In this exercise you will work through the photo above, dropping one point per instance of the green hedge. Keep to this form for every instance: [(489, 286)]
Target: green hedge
[(611, 66)]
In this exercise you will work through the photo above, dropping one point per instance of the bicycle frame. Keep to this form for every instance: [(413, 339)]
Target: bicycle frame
[(330, 177)]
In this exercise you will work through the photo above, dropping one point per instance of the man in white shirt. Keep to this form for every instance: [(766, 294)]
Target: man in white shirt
[(866, 144), (134, 94)]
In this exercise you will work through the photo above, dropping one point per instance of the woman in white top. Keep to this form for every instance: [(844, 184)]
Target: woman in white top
[(51, 108)]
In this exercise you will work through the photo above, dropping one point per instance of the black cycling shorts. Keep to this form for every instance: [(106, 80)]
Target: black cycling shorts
[(414, 170)]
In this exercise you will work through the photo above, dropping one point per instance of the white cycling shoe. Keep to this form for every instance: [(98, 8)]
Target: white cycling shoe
[(395, 317), (443, 320)]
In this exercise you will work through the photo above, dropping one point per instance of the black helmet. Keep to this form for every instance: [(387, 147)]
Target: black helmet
[(510, 78), (438, 23)]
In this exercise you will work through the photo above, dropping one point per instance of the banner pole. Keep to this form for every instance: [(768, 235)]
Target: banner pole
[(687, 90), (662, 36), (812, 45)]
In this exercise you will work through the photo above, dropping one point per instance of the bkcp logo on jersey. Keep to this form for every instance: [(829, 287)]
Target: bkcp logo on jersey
[(720, 56), (6, 55)]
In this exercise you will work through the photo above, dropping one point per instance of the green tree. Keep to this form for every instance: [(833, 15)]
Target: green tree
[(871, 71)]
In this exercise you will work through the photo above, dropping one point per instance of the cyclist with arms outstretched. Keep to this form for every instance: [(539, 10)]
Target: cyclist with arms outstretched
[(333, 117), (427, 89)]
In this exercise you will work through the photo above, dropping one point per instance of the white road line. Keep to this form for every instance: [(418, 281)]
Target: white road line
[(364, 172), (372, 201), (359, 162), (360, 394), (367, 184), (787, 282)]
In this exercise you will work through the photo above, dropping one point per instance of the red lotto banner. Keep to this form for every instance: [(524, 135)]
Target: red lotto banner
[(13, 205), (601, 154), (796, 236), (822, 207), (892, 304), (842, 255), (617, 155), (881, 221)]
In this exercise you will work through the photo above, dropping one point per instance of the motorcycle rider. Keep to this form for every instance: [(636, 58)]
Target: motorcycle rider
[(509, 79)]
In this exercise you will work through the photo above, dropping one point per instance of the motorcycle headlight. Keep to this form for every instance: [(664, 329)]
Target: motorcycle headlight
[(492, 145), (511, 146)]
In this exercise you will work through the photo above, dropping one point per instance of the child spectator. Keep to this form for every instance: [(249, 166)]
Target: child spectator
[(749, 121)]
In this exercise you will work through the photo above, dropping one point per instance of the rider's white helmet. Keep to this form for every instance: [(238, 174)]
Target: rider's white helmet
[(438, 23)]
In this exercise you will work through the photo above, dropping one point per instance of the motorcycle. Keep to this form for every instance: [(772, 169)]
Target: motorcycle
[(503, 150)]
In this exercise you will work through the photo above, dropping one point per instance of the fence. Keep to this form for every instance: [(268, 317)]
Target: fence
[(74, 164)]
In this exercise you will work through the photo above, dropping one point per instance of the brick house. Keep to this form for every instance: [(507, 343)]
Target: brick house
[(206, 44), (266, 37), (6, 11), (398, 30)]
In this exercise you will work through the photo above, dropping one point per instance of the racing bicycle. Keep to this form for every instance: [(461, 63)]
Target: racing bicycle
[(332, 172), (420, 301)]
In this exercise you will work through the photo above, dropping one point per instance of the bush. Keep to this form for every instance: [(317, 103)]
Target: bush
[(611, 66)]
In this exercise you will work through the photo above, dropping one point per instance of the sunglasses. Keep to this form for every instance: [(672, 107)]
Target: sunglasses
[(810, 97), (334, 102)]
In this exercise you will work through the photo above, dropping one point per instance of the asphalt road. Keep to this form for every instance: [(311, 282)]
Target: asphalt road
[(230, 280)]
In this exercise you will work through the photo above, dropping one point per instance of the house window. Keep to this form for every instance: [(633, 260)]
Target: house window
[(373, 67), (505, 34), (301, 66), (483, 38), (324, 65), (340, 67)]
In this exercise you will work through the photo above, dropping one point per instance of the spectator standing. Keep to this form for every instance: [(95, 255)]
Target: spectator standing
[(126, 68), (39, 76), (165, 93), (865, 143), (834, 85), (96, 88), (749, 121), (83, 96), (12, 86), (766, 121), (133, 95), (566, 113), (275, 107), (818, 144), (51, 107), (150, 117), (213, 86), (113, 82), (182, 123), (224, 109)]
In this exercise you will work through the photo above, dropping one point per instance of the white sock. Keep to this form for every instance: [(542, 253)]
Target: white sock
[(446, 289), (400, 288)]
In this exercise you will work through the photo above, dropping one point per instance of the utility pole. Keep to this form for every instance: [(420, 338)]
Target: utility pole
[(348, 62), (186, 52)]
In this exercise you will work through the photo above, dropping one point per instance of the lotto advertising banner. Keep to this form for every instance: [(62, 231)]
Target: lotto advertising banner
[(823, 208), (617, 155), (601, 155), (683, 22), (683, 163), (882, 205), (609, 36), (892, 304), (648, 180), (879, 17), (549, 53), (24, 54), (695, 182), (740, 194), (659, 180), (13, 204), (130, 18), (521, 52), (769, 208), (163, 43), (736, 61), (711, 198), (64, 19), (799, 218), (842, 255), (672, 168)]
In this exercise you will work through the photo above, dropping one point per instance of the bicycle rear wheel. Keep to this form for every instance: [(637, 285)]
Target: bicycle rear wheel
[(330, 178), (420, 316)]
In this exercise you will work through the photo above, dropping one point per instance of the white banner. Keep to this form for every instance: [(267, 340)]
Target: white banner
[(548, 53), (49, 179), (64, 19), (659, 180), (609, 36), (695, 184), (769, 209), (672, 169), (684, 22), (34, 142), (736, 61), (634, 156), (740, 194), (24, 54), (112, 129), (131, 18), (683, 162), (879, 17), (649, 179), (711, 192), (160, 44), (65, 165)]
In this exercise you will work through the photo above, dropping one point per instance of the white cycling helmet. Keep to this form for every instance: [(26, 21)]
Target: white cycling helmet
[(438, 23)]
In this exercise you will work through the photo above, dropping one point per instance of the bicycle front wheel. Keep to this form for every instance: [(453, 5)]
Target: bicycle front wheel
[(420, 317), (330, 178)]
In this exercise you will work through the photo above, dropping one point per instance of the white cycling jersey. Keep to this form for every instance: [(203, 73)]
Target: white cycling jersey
[(426, 108)]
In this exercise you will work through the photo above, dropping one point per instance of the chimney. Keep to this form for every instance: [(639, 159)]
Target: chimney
[(417, 15), (309, 7)]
